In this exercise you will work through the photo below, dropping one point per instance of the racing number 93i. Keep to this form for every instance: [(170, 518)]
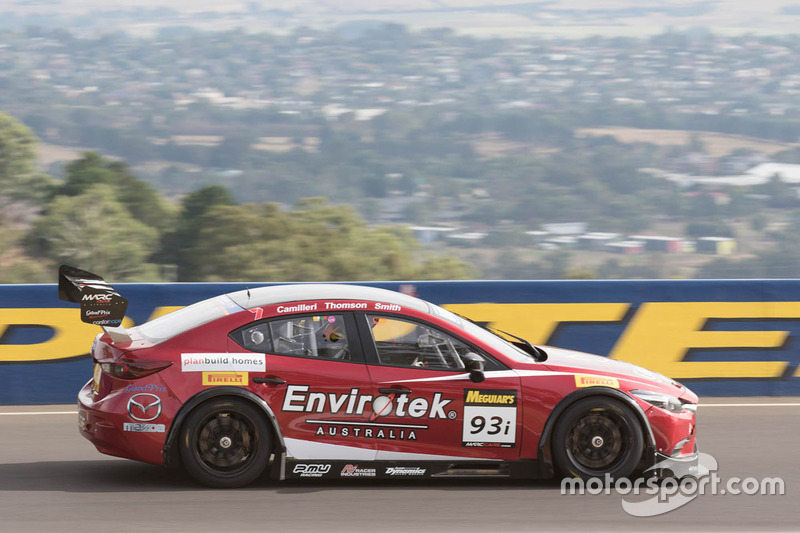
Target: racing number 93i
[(344, 381)]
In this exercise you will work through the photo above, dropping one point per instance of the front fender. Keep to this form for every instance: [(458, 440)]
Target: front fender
[(544, 451)]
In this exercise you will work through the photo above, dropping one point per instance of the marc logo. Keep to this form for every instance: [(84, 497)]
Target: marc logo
[(144, 407)]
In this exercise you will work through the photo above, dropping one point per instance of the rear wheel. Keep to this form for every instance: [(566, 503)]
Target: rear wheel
[(598, 436), (225, 443)]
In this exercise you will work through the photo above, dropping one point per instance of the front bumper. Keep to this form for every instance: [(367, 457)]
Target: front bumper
[(677, 466)]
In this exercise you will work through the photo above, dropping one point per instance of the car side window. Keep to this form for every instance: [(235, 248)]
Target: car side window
[(405, 343), (305, 336)]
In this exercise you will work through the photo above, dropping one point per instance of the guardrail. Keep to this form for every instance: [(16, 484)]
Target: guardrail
[(722, 338)]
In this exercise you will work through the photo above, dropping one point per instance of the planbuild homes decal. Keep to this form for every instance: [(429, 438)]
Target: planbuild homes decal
[(231, 362)]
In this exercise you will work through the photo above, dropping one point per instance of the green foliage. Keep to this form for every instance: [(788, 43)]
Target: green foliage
[(143, 202), (179, 244), (758, 222), (316, 241), (17, 155), (709, 229), (26, 270), (94, 230)]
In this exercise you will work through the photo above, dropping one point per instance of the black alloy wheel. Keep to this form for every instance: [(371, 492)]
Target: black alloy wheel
[(225, 443), (598, 436)]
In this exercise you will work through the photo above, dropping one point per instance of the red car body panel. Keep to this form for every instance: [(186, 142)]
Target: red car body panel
[(358, 409)]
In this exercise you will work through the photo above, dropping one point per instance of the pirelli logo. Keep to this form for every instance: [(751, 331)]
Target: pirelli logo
[(583, 380), (237, 379), (490, 397)]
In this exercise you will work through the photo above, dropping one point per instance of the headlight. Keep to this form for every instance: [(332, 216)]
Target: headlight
[(664, 401)]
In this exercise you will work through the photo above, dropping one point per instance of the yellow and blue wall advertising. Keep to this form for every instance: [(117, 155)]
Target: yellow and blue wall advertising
[(722, 338)]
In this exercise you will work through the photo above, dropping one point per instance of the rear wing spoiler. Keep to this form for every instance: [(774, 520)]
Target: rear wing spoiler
[(101, 304)]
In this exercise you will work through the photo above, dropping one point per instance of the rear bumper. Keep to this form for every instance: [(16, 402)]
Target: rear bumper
[(106, 424)]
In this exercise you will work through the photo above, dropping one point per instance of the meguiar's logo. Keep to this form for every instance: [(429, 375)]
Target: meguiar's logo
[(490, 397)]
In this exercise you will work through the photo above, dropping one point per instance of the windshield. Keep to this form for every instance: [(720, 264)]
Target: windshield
[(176, 322), (488, 337)]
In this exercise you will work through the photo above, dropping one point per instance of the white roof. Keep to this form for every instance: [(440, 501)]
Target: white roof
[(788, 173), (757, 175), (323, 291)]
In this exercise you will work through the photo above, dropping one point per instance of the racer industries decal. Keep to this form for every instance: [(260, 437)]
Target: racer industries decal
[(223, 362), (358, 471), (490, 418), (367, 411)]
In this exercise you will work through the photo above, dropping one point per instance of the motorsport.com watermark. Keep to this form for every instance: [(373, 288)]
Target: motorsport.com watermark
[(670, 493)]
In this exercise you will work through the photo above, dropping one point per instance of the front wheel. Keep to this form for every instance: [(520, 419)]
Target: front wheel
[(598, 436), (225, 443)]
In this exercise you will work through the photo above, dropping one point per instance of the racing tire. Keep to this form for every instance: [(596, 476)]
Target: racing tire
[(598, 436), (225, 443)]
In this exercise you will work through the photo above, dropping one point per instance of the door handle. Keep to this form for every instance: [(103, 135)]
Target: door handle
[(394, 391), (270, 381)]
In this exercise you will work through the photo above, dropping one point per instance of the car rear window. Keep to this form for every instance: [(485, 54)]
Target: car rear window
[(177, 322)]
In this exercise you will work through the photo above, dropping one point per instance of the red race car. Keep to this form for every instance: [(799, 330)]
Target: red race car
[(341, 381)]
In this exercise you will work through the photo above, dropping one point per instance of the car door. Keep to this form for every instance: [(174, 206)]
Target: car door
[(314, 381), (428, 408)]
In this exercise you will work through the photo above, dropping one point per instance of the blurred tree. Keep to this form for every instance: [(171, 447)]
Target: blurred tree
[(709, 229), (95, 231), (178, 245), (316, 241), (142, 201), (232, 151), (18, 178)]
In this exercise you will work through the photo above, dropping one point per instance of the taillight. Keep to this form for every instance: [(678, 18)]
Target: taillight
[(132, 369)]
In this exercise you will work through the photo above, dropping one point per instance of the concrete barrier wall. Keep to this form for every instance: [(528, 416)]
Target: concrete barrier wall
[(721, 338)]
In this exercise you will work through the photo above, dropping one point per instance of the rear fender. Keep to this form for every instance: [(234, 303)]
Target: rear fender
[(171, 450)]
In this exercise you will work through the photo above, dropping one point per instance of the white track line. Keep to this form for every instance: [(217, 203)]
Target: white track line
[(41, 413), (34, 413), (701, 404)]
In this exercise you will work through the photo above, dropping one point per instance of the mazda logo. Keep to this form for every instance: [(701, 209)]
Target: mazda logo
[(144, 407)]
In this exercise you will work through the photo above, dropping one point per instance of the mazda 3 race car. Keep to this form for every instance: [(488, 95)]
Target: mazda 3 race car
[(343, 381)]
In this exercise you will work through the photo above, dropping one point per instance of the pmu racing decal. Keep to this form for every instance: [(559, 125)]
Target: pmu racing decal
[(356, 471), (369, 409), (405, 471), (490, 418), (311, 470)]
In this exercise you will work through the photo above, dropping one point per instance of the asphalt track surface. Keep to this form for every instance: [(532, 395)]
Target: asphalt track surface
[(51, 479)]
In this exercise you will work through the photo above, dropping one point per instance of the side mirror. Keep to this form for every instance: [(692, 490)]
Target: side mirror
[(474, 364)]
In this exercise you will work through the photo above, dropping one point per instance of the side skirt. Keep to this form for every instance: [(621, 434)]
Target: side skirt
[(328, 469)]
